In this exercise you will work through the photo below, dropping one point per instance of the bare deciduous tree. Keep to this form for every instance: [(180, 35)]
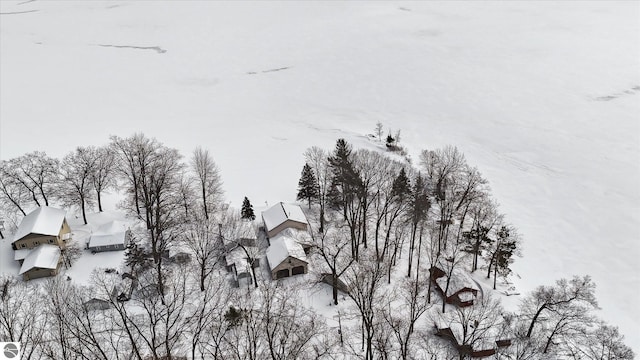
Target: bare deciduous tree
[(317, 160), (365, 279), (568, 303), (208, 179), (75, 182), (333, 249), (403, 311), (202, 238), (103, 175), (13, 193)]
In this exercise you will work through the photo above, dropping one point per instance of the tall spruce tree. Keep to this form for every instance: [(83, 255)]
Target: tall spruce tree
[(247, 210), (401, 188), (346, 182), (308, 185)]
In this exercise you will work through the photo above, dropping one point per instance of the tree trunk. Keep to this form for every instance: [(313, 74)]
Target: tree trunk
[(204, 202), (84, 213), (99, 201), (253, 271), (135, 195), (335, 288), (202, 276), (490, 265), (535, 318), (414, 228), (444, 294)]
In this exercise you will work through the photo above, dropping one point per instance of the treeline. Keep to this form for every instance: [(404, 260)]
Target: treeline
[(378, 219), (379, 226)]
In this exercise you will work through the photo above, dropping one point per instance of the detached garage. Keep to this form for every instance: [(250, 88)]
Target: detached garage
[(112, 236), (286, 258)]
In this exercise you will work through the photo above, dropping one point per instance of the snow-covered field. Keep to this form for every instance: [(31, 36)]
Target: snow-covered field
[(543, 97)]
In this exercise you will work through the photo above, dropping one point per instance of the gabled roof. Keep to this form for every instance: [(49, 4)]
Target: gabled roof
[(112, 233), (20, 254), (43, 220), (45, 256), (112, 227), (459, 280), (281, 212), (281, 248), (107, 239)]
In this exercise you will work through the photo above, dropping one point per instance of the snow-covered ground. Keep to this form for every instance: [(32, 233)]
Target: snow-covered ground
[(543, 97)]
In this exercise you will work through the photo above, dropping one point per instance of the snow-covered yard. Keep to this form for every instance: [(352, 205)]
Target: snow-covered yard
[(542, 97)]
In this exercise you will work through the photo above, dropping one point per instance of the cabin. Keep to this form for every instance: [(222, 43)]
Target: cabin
[(43, 261), (112, 236), (45, 225), (462, 290), (481, 348), (286, 258), (283, 216), (97, 304)]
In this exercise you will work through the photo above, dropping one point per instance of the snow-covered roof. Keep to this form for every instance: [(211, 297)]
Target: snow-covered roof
[(239, 257), (21, 254), (459, 280), (112, 227), (302, 237), (112, 233), (44, 220), (107, 239), (45, 256), (281, 212), (281, 248)]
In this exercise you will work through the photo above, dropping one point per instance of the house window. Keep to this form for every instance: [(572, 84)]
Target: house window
[(23, 245), (50, 241), (36, 243)]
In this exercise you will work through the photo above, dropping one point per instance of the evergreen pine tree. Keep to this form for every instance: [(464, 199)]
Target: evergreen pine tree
[(401, 188), (247, 210), (308, 185), (345, 183), (420, 203), (504, 252)]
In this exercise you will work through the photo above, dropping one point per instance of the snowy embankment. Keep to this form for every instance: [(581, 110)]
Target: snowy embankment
[(541, 97)]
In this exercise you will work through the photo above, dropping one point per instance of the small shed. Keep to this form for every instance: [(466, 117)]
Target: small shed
[(238, 263), (286, 258), (42, 261), (283, 216), (112, 236)]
